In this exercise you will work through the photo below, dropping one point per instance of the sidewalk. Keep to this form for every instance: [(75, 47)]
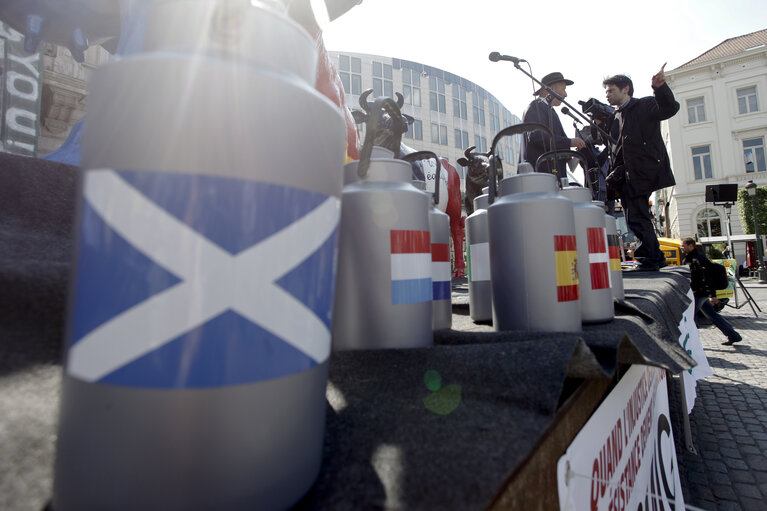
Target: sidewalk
[(729, 420)]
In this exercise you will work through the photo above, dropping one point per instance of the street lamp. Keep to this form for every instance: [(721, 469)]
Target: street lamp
[(760, 270)]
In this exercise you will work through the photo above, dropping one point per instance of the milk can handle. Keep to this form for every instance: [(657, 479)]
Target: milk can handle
[(427, 155), (516, 129), (565, 154)]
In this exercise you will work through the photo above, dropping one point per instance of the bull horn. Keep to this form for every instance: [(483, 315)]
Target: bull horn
[(364, 100), (468, 151), (400, 99)]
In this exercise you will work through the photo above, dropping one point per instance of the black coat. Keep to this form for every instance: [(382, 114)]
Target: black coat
[(699, 268), (645, 159), (537, 142)]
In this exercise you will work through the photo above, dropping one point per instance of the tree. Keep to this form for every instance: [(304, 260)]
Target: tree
[(746, 213)]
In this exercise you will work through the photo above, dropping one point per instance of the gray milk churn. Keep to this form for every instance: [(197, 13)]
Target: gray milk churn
[(478, 239), (614, 252), (533, 261), (439, 228), (383, 293), (593, 258), (200, 317)]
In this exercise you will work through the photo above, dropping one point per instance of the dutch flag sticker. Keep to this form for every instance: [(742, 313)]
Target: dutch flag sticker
[(410, 267)]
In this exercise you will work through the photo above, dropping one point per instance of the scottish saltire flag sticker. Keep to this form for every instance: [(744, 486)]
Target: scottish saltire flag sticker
[(479, 262), (440, 271), (410, 267), (191, 281), (566, 260), (614, 251), (598, 258)]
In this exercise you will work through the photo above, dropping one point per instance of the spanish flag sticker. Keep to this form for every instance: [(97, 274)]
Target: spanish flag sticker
[(566, 258)]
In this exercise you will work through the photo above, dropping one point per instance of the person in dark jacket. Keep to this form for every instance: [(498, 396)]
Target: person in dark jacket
[(541, 110), (705, 295), (641, 155)]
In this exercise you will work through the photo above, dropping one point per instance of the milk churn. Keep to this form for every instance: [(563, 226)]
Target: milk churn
[(532, 252), (614, 252), (200, 320), (384, 287), (439, 227), (593, 257), (480, 291)]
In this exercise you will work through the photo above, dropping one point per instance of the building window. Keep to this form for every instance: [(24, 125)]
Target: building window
[(480, 143), (696, 111), (747, 101), (507, 121), (411, 88), (461, 139), (701, 162), (350, 70), (415, 130), (509, 153), (495, 117), (382, 80), (437, 100), (753, 155), (479, 110), (709, 223), (459, 102), (439, 134)]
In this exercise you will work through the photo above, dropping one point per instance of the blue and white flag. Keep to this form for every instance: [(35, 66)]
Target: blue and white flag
[(192, 281)]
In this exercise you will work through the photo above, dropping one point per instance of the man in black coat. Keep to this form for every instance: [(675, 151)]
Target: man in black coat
[(642, 155), (541, 111), (704, 292)]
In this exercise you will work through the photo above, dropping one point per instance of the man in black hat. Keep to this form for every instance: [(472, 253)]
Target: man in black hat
[(541, 111)]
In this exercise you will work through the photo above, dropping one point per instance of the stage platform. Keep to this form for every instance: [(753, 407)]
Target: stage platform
[(477, 421)]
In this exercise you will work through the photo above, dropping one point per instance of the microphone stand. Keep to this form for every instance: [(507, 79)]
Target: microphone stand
[(549, 100), (553, 94)]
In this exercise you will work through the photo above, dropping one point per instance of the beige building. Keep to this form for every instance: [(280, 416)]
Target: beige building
[(718, 136), (451, 113)]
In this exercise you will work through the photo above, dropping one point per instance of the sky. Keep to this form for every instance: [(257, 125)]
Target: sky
[(586, 41)]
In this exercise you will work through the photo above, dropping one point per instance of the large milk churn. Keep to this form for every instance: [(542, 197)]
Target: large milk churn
[(593, 257), (614, 252), (439, 227), (384, 288), (199, 334), (477, 236), (532, 252)]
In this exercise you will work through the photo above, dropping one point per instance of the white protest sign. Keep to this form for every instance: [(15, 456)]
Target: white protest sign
[(689, 339), (624, 456)]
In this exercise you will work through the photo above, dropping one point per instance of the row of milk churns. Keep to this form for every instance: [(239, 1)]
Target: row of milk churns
[(542, 259), (393, 284)]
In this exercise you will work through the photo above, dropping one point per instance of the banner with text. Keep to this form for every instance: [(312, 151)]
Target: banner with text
[(21, 84), (624, 457)]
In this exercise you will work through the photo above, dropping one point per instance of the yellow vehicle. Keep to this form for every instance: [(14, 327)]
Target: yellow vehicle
[(672, 250)]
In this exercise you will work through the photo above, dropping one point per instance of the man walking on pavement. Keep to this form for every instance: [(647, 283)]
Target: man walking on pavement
[(705, 295)]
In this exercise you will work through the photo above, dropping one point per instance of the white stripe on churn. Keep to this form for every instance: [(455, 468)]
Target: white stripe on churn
[(480, 261), (410, 266)]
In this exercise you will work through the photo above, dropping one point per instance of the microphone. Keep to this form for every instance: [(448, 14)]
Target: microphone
[(495, 57), (566, 111)]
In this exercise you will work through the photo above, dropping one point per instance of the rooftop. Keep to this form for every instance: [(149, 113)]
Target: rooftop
[(730, 47)]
